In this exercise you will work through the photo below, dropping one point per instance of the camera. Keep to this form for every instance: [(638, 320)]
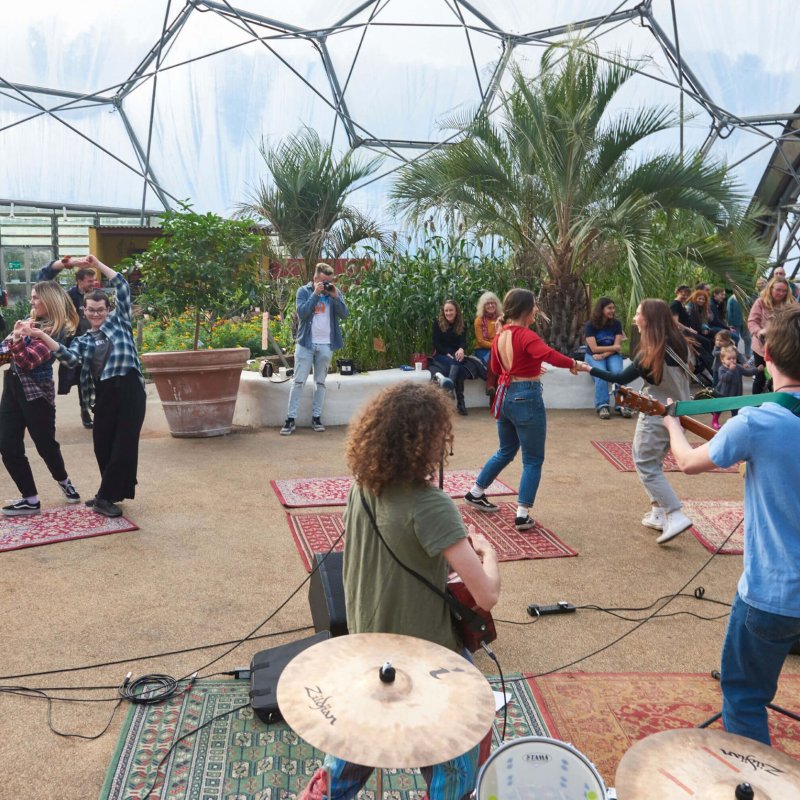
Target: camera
[(327, 285)]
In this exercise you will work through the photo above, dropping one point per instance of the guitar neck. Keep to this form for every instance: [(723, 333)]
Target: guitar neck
[(647, 405), (703, 431)]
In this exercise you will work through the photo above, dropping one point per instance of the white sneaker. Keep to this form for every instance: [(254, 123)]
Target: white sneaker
[(654, 518), (675, 522)]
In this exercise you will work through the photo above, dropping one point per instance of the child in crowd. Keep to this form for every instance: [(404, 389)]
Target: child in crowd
[(728, 382), (723, 339)]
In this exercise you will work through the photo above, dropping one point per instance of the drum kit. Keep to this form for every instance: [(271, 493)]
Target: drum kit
[(390, 701)]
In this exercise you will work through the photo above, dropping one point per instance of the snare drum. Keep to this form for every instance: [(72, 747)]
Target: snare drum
[(538, 768)]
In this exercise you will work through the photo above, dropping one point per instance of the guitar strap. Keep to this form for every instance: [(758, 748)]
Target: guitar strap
[(457, 609), (719, 404)]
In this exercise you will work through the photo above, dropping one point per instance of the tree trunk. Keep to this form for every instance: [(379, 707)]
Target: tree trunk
[(566, 303)]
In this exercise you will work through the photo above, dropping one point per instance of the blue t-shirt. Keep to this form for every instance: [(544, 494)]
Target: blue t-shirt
[(766, 438), (605, 336)]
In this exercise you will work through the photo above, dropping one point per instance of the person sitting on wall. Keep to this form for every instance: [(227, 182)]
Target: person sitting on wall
[(486, 327), (449, 346), (603, 333)]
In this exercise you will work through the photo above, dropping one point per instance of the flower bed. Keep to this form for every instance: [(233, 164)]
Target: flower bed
[(176, 334)]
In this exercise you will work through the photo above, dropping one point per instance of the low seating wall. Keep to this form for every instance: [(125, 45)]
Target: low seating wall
[(263, 402)]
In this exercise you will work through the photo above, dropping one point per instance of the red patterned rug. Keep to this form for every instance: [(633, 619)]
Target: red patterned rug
[(310, 492), (316, 533), (620, 454), (58, 525), (712, 522), (604, 714)]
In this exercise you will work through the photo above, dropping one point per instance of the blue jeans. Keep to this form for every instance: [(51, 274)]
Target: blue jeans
[(483, 354), (320, 356), (450, 780), (612, 363), (756, 645), (522, 424)]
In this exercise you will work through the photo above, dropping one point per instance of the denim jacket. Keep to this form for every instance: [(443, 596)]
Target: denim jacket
[(306, 303)]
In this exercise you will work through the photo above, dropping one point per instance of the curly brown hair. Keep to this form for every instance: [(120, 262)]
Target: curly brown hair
[(400, 437)]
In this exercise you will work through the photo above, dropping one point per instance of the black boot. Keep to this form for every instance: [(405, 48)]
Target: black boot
[(460, 404)]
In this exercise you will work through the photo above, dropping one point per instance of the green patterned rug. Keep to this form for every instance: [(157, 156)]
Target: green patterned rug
[(238, 757)]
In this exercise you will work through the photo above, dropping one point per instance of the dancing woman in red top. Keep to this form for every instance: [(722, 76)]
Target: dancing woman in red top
[(517, 356)]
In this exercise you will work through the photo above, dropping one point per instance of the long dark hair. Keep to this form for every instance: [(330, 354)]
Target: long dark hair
[(597, 319), (659, 332)]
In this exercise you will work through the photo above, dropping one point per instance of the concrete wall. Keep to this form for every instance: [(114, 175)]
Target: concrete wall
[(262, 402)]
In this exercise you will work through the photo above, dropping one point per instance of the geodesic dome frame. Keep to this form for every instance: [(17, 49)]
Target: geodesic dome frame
[(86, 120)]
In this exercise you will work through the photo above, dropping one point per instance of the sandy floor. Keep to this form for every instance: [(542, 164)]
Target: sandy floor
[(214, 557)]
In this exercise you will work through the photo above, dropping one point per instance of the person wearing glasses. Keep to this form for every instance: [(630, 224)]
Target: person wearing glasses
[(320, 309), (85, 282), (111, 381)]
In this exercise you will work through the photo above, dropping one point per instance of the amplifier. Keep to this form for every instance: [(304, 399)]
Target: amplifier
[(326, 594), (265, 670)]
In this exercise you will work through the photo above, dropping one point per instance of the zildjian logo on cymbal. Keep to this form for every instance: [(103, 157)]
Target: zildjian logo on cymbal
[(320, 702), (754, 762)]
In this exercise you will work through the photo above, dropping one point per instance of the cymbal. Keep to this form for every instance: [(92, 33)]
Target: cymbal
[(438, 706), (704, 764)]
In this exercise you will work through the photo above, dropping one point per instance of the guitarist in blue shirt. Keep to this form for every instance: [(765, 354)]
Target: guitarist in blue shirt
[(765, 617)]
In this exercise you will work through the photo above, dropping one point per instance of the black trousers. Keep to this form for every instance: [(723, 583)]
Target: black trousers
[(38, 417), (118, 417)]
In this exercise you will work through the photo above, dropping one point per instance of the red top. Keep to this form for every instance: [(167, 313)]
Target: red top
[(529, 352)]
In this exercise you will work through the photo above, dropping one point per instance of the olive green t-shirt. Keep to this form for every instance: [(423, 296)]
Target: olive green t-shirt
[(418, 523)]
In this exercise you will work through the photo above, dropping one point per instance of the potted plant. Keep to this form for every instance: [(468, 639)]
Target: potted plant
[(201, 265)]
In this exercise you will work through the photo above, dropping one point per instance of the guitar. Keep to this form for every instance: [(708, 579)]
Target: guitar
[(472, 631), (647, 405)]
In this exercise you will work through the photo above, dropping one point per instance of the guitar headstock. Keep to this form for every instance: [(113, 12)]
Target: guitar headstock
[(639, 402)]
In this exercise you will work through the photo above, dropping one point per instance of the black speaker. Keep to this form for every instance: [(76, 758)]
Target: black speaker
[(265, 669), (326, 594)]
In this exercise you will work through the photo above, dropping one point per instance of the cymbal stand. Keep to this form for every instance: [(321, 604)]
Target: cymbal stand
[(715, 674), (441, 468)]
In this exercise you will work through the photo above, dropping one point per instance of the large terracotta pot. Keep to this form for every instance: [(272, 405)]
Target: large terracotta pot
[(198, 388)]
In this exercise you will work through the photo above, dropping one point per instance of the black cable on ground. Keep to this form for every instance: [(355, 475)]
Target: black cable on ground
[(116, 663)]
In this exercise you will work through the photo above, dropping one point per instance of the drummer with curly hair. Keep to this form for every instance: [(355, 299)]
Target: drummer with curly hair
[(393, 449)]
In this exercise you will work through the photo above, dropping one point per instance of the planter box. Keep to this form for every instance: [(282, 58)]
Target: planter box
[(198, 388)]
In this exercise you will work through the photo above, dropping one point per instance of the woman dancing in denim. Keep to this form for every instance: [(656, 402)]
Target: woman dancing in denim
[(517, 356)]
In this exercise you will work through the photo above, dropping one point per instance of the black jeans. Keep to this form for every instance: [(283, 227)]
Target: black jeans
[(38, 417), (118, 417)]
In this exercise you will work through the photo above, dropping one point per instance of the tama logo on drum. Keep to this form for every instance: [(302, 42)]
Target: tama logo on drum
[(538, 758)]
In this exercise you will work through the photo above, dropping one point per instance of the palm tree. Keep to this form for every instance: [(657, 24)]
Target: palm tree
[(556, 179), (305, 200)]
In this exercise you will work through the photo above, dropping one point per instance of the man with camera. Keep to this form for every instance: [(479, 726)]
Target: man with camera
[(320, 307)]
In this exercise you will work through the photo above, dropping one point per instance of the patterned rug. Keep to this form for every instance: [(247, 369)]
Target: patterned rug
[(309, 492), (58, 525), (238, 757), (713, 520), (316, 533), (620, 454), (603, 714)]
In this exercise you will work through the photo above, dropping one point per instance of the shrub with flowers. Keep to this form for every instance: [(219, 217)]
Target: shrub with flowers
[(177, 333), (203, 265)]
